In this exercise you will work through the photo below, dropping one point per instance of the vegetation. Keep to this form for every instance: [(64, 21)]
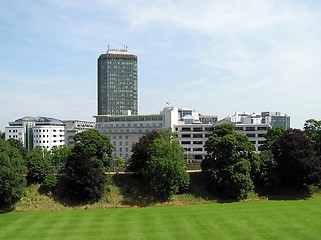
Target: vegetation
[(12, 179), (39, 164), (270, 219), (60, 155), (140, 152), (296, 159), (163, 166), (85, 168), (229, 162)]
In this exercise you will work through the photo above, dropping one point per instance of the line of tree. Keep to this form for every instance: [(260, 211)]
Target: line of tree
[(289, 160)]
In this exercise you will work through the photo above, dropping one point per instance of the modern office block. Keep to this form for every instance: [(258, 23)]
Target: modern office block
[(117, 83)]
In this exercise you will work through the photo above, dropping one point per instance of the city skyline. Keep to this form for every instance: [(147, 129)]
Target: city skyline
[(216, 57)]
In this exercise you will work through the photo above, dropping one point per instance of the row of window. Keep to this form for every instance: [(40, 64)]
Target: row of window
[(46, 141), (47, 130), (43, 136)]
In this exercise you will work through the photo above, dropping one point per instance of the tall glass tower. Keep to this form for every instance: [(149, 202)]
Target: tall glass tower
[(117, 83)]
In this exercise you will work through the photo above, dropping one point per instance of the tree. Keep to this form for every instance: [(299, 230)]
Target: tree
[(312, 128), (296, 160), (229, 162), (39, 164), (85, 168), (140, 150), (59, 155), (165, 172), (85, 180), (2, 135), (268, 176), (12, 179), (18, 145), (95, 145)]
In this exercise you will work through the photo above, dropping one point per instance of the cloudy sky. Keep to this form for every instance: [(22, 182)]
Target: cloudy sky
[(217, 57)]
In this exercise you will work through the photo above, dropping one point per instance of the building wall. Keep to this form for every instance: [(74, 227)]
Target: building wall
[(72, 127), (48, 136), (117, 83)]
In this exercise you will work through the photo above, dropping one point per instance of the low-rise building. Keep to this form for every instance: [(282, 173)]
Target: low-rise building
[(41, 131), (72, 127)]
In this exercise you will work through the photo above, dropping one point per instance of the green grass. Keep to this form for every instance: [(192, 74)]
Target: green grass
[(263, 219)]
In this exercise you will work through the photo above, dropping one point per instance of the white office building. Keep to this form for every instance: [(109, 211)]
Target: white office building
[(41, 131)]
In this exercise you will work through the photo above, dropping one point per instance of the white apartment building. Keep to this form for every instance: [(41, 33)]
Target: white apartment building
[(72, 127), (41, 131)]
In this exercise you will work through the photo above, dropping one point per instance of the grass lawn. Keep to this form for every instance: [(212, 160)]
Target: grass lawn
[(264, 219)]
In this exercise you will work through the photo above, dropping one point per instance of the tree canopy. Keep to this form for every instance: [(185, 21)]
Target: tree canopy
[(85, 168), (95, 145), (229, 162), (140, 152), (160, 160), (39, 164), (12, 175), (296, 160), (312, 128)]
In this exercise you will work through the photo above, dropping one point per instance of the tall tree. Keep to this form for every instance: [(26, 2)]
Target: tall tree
[(165, 171), (312, 128), (268, 176), (95, 145), (140, 150), (296, 159), (228, 162), (85, 168), (12, 175)]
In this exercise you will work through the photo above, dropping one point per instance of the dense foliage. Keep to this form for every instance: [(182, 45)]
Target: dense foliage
[(95, 145), (229, 162), (85, 168), (59, 155), (312, 128), (162, 163), (85, 180), (297, 163), (12, 179), (39, 164), (140, 152)]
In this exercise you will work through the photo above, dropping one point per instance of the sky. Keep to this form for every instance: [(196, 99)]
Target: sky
[(217, 57)]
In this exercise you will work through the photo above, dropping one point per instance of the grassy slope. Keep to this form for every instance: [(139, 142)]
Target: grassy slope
[(265, 219)]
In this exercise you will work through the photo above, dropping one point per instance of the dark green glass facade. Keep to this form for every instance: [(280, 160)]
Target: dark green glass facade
[(117, 83)]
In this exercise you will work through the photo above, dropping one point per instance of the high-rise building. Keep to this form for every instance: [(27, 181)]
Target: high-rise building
[(117, 83)]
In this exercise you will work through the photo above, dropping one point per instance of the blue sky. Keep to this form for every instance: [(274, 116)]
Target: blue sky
[(217, 57)]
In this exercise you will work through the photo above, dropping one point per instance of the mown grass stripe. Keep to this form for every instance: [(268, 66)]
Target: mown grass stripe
[(295, 219)]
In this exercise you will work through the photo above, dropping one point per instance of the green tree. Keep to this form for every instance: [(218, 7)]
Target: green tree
[(12, 178), (95, 145), (140, 152), (85, 180), (39, 164), (296, 160), (268, 177), (85, 168), (2, 135), (59, 155), (312, 128), (165, 172), (229, 162), (18, 145)]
